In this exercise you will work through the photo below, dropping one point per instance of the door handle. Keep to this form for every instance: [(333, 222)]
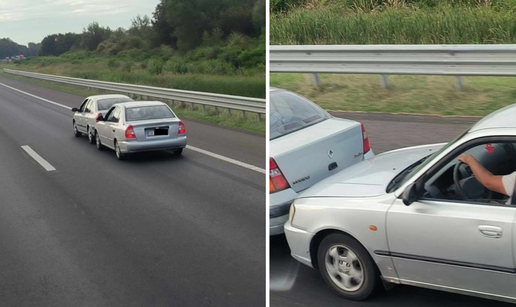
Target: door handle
[(490, 231)]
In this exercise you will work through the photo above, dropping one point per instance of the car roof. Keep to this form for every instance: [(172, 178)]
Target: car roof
[(99, 97), (142, 104), (503, 118)]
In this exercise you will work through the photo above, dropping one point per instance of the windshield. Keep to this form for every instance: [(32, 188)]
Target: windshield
[(290, 112), (409, 172), (106, 104), (148, 112)]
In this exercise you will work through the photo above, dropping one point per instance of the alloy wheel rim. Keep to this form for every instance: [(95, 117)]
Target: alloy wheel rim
[(344, 268), (97, 141), (90, 137), (118, 151)]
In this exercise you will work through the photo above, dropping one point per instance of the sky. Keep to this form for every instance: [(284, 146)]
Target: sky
[(25, 21)]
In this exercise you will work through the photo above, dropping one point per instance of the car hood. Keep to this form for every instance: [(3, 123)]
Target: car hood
[(370, 177)]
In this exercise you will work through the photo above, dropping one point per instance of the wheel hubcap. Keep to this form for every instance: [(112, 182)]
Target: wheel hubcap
[(97, 140), (344, 268)]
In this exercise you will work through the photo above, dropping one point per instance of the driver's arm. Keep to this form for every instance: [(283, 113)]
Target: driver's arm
[(485, 177)]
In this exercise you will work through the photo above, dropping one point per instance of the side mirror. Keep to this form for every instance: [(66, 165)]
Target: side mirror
[(410, 194), (100, 118), (75, 110)]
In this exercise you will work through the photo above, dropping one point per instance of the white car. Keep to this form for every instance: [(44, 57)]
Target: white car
[(88, 114), (415, 216), (306, 145), (140, 126)]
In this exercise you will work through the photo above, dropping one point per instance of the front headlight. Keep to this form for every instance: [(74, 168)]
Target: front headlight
[(291, 213)]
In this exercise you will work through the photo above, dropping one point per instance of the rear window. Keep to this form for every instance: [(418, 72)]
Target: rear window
[(106, 104), (146, 113), (290, 112)]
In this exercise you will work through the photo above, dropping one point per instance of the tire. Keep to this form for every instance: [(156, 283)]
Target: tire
[(347, 268), (178, 152), (100, 147), (76, 131), (91, 138), (119, 155)]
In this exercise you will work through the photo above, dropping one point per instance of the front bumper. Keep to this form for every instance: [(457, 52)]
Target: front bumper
[(299, 243), (278, 212), (163, 144)]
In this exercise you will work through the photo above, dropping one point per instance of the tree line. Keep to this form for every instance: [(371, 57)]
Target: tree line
[(8, 48), (180, 24)]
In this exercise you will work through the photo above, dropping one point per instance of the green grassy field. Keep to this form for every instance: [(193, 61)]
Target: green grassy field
[(354, 22), (406, 94), (106, 69), (234, 120)]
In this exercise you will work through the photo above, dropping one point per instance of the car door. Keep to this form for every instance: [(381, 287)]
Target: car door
[(111, 126), (453, 245), (89, 115), (79, 116)]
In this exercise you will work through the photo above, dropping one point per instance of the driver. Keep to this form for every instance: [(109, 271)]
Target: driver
[(500, 184)]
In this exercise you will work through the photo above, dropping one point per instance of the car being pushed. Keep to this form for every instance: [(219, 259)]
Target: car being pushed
[(87, 115), (140, 126), (306, 145), (415, 216)]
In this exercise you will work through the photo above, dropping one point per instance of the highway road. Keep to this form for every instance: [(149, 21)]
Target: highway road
[(296, 285), (156, 230)]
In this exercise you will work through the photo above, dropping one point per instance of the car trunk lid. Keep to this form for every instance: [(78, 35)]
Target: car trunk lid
[(305, 157), (149, 130)]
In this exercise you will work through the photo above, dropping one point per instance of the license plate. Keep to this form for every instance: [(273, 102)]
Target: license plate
[(150, 132)]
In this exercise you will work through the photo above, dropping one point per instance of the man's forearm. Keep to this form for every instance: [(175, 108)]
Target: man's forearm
[(481, 173)]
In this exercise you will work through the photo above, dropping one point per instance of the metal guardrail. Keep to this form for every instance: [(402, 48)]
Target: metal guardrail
[(446, 60), (239, 103)]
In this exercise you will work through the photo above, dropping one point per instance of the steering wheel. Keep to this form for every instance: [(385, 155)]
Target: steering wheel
[(463, 176)]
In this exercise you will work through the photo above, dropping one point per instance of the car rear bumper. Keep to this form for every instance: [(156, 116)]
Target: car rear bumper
[(299, 243), (278, 211), (163, 144)]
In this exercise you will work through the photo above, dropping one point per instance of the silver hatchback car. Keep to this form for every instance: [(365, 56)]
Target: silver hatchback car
[(140, 126), (416, 216), (86, 116)]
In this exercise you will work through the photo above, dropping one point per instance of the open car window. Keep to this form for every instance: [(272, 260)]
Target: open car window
[(290, 112)]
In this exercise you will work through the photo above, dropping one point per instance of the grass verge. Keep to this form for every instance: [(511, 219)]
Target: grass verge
[(233, 120), (403, 24), (434, 95)]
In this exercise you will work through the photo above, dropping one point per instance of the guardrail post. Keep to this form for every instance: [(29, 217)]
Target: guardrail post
[(316, 79), (229, 111), (259, 116), (383, 81), (203, 106), (458, 83), (244, 116), (216, 110)]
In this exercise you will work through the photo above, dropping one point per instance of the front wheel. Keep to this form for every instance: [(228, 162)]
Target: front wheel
[(76, 131), (178, 152), (346, 267)]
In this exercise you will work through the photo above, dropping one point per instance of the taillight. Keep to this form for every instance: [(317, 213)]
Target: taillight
[(182, 128), (367, 145), (97, 119), (129, 133), (277, 182)]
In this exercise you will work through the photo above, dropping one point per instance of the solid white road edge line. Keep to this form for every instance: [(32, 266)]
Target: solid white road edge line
[(38, 158), (226, 159), (46, 100), (199, 150)]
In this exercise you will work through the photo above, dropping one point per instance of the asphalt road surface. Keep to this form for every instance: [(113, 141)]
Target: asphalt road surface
[(156, 230), (293, 284)]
